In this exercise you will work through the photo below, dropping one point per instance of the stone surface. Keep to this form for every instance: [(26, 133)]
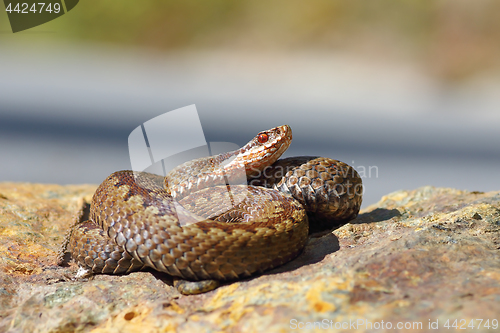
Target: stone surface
[(419, 256)]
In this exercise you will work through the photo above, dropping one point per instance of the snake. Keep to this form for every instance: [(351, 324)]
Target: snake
[(215, 219)]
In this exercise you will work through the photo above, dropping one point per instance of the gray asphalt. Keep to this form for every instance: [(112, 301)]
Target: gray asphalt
[(66, 112)]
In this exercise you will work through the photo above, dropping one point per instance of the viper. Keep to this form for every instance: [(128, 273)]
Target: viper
[(205, 222)]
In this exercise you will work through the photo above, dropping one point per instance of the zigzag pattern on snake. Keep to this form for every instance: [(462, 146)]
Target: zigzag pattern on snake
[(194, 226)]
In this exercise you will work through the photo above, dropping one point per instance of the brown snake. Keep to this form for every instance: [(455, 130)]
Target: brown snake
[(193, 226)]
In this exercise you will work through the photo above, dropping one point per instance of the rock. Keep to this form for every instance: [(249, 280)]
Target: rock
[(418, 258)]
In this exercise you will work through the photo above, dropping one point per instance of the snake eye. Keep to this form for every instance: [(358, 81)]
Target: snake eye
[(263, 138)]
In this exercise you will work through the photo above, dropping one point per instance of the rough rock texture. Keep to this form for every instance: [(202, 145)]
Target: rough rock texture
[(425, 256)]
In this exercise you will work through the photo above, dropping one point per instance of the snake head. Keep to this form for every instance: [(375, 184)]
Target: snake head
[(264, 149), (233, 167)]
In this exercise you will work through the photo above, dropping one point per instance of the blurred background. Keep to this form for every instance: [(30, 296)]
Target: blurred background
[(408, 92)]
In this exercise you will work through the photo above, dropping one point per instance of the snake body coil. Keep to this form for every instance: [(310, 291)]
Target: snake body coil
[(194, 226)]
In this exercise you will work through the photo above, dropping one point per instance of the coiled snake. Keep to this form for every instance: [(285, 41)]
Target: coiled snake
[(194, 226)]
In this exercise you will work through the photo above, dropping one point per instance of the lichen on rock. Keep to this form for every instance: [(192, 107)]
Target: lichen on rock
[(419, 256)]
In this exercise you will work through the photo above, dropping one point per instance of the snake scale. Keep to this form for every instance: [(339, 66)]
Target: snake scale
[(195, 225)]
